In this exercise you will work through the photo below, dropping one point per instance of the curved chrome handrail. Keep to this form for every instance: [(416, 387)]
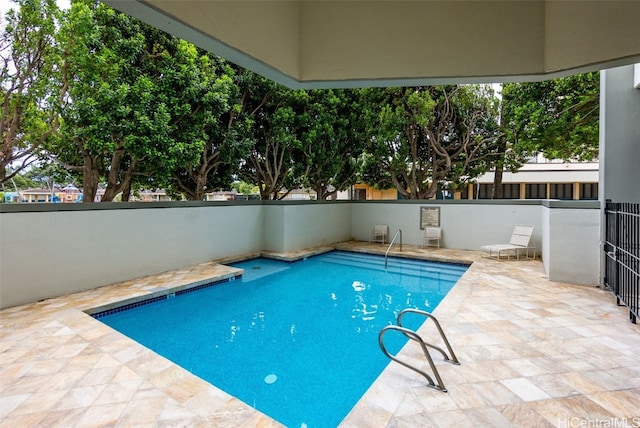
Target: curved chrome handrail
[(453, 357), (414, 336)]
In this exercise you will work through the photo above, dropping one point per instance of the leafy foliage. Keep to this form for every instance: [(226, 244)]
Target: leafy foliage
[(217, 115), (121, 104), (130, 85), (331, 140), (429, 138), (271, 113), (29, 88), (244, 188), (558, 118)]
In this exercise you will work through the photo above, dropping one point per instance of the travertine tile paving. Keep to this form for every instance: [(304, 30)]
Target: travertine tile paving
[(533, 353)]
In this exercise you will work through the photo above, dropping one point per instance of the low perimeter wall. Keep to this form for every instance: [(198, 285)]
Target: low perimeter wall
[(49, 250), (466, 225), (49, 253), (571, 242)]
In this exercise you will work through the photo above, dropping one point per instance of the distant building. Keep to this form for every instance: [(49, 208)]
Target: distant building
[(298, 195), (70, 194), (158, 195), (67, 194), (364, 192), (222, 195), (38, 195), (11, 197), (541, 180)]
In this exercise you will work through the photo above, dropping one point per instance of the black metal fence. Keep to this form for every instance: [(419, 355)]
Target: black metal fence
[(622, 254)]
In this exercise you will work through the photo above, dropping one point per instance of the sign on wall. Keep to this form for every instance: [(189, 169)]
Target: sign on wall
[(429, 217)]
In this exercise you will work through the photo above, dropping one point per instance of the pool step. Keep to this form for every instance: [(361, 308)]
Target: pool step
[(442, 271), (398, 261)]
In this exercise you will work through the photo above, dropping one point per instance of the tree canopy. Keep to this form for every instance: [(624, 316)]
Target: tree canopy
[(331, 140), (428, 138), (217, 114), (130, 87), (30, 88), (557, 118), (121, 105), (270, 161)]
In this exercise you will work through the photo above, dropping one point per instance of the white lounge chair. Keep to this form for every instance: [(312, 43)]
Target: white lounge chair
[(518, 244), (379, 232), (431, 234)]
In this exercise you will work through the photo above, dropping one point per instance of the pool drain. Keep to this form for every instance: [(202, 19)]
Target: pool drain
[(270, 378)]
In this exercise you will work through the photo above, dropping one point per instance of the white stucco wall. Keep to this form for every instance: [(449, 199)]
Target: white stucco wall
[(546, 241), (619, 139), (273, 225), (311, 225), (465, 225), (291, 226), (49, 250), (51, 253), (571, 244)]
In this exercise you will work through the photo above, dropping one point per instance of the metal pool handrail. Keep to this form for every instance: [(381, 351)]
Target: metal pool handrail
[(413, 336), (386, 255), (410, 334), (453, 357)]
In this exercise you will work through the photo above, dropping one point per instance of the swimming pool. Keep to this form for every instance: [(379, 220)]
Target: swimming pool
[(297, 341)]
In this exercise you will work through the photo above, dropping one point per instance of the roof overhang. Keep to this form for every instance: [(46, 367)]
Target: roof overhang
[(320, 44)]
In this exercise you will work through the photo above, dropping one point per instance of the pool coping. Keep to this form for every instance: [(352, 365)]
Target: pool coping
[(161, 293)]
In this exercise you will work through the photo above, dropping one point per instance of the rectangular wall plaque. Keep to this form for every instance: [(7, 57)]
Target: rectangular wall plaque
[(429, 217)]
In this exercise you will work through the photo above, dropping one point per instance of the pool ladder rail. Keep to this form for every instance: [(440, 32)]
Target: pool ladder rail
[(424, 345), (386, 255)]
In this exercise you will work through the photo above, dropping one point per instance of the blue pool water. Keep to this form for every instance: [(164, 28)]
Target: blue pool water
[(297, 341)]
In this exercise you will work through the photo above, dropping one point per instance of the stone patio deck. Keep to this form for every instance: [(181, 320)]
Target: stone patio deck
[(533, 353)]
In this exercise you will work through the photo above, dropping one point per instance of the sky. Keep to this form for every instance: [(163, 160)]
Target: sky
[(5, 5)]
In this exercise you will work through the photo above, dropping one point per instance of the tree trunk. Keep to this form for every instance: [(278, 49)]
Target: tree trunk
[(201, 184), (90, 178), (496, 192), (126, 193), (396, 183), (113, 186), (430, 192)]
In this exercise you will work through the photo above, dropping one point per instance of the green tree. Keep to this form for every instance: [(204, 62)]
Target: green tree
[(130, 87), (30, 89), (558, 118), (42, 174), (221, 114), (331, 140), (432, 137), (272, 116)]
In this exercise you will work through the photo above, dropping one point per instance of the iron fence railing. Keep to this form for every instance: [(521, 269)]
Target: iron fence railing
[(622, 254)]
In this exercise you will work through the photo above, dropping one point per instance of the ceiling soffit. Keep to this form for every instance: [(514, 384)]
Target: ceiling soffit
[(315, 44)]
